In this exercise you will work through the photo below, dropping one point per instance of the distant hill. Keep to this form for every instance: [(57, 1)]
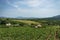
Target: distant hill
[(55, 17), (25, 17), (58, 16)]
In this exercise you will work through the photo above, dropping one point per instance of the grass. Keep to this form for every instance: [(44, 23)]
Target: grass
[(28, 22), (27, 33)]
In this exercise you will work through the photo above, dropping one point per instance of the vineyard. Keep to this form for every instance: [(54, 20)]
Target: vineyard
[(28, 33)]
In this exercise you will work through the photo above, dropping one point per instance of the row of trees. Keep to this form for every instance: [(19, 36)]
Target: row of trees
[(13, 23), (43, 22), (47, 21)]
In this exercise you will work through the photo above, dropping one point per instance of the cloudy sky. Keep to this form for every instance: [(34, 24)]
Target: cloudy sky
[(29, 8)]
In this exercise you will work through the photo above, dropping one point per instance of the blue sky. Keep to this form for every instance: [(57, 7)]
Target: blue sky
[(29, 8)]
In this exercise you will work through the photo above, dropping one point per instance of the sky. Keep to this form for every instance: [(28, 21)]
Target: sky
[(29, 8)]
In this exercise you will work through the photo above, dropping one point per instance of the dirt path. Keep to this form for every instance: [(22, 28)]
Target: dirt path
[(56, 35)]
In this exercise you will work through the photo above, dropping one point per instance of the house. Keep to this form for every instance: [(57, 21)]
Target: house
[(8, 24), (38, 26)]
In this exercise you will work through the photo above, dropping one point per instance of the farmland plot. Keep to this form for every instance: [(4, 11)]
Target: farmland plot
[(28, 33)]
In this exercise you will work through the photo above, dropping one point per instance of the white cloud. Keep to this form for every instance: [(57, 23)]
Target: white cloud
[(31, 3), (16, 6), (39, 12), (39, 8)]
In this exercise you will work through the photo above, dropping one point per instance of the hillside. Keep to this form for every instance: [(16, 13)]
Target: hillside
[(27, 21), (56, 17), (20, 30)]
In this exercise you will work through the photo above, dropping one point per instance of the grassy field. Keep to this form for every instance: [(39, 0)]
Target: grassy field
[(27, 21), (28, 33)]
